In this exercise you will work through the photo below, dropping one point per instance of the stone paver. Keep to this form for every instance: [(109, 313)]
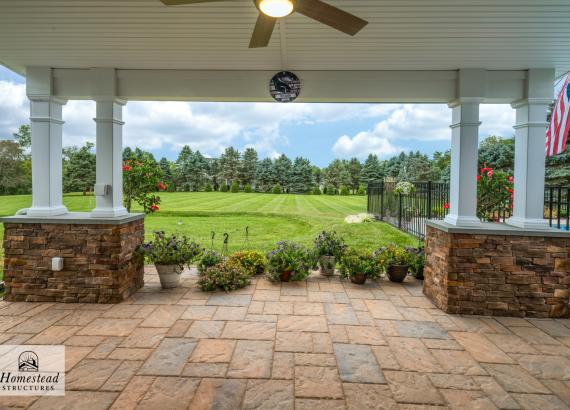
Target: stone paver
[(319, 344)]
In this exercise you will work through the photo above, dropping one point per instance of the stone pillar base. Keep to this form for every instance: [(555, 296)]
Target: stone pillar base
[(498, 271), (100, 265)]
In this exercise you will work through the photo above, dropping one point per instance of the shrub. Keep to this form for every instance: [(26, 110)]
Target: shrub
[(141, 179), (361, 190), (417, 261), (234, 188), (224, 188), (329, 244), (317, 191), (405, 188), (248, 189), (290, 257), (277, 189), (227, 276), (252, 261), (170, 249), (344, 191), (355, 262), (208, 187), (495, 194), (209, 258), (392, 255)]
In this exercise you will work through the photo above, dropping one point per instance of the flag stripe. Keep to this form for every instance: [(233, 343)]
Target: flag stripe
[(559, 127)]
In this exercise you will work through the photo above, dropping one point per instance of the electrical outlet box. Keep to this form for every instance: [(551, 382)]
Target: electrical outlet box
[(102, 189), (57, 264)]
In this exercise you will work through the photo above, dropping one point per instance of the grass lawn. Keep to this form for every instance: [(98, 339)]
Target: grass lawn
[(270, 218)]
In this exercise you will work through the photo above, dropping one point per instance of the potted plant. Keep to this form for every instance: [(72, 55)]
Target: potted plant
[(329, 247), (396, 260), (169, 254), (227, 275), (209, 258), (359, 266), (417, 262), (252, 261), (289, 261)]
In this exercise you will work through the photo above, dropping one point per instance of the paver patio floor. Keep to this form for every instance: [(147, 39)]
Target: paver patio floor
[(319, 344)]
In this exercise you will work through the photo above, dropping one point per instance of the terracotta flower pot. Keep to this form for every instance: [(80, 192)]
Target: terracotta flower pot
[(397, 273), (169, 275), (285, 276), (327, 264), (358, 279)]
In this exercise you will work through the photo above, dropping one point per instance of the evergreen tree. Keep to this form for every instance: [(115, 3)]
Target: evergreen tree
[(229, 165), (372, 170), (418, 167), (167, 171), (336, 175), (354, 169), (301, 178), (283, 167), (498, 153), (248, 166), (24, 136), (441, 166), (265, 175), (79, 168)]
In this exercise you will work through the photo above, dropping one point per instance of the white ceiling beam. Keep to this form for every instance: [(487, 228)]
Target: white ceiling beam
[(317, 86)]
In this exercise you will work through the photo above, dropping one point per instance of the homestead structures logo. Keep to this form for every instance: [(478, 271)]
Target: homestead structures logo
[(32, 370)]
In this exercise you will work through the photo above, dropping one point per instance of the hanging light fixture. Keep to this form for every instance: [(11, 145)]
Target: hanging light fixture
[(276, 8)]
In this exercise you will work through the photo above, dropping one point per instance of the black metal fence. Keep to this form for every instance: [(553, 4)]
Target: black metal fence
[(431, 201)]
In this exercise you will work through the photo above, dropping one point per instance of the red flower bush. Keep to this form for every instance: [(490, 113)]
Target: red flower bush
[(141, 180), (495, 194)]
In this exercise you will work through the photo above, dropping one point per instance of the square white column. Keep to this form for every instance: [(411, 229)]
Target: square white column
[(464, 158), (530, 150), (530, 143), (46, 127), (109, 148)]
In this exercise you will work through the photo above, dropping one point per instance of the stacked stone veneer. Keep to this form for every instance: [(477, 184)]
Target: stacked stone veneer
[(100, 265), (499, 275)]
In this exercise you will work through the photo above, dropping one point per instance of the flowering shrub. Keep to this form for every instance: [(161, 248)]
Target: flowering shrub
[(494, 194), (405, 188), (170, 249), (290, 257), (253, 262), (356, 262), (329, 244), (228, 276), (417, 261), (209, 258), (392, 255), (141, 180)]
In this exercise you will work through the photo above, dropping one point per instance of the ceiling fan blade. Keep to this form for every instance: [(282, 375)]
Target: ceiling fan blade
[(262, 31), (178, 2), (331, 16)]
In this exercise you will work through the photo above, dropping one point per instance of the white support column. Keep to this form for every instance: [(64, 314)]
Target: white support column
[(530, 143), (46, 127), (464, 157), (109, 147)]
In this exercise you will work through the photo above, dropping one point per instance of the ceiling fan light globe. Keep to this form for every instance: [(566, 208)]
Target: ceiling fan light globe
[(276, 8)]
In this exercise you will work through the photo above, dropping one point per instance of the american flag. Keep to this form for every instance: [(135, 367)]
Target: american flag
[(557, 133)]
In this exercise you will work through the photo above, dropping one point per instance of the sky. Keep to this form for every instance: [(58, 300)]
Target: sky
[(319, 132)]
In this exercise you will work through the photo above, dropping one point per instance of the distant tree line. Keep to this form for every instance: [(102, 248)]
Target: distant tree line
[(235, 171)]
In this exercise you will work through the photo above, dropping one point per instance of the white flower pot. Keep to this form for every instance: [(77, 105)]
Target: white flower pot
[(169, 275)]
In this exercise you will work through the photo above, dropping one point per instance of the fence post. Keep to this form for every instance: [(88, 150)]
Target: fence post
[(429, 204), (400, 211), (382, 201)]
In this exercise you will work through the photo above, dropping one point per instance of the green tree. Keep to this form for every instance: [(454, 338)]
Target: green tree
[(24, 136), (79, 168), (265, 175), (354, 169), (168, 173), (372, 170), (283, 168), (229, 165), (248, 166), (13, 176), (418, 167), (336, 174), (301, 177), (498, 153), (441, 166)]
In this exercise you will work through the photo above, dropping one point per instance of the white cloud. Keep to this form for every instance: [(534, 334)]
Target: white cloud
[(14, 108), (415, 122)]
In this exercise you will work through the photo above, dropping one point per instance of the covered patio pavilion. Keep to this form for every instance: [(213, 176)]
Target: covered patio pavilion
[(321, 343)]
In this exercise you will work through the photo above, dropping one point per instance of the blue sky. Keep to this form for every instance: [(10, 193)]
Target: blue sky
[(319, 132)]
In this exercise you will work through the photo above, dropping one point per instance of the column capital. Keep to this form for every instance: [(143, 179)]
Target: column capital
[(110, 99), (465, 100), (531, 101), (47, 98)]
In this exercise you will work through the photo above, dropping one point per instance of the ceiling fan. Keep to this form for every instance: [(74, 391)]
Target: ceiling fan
[(271, 10)]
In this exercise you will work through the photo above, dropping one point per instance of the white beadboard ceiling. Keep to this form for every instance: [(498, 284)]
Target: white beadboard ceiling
[(402, 34)]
